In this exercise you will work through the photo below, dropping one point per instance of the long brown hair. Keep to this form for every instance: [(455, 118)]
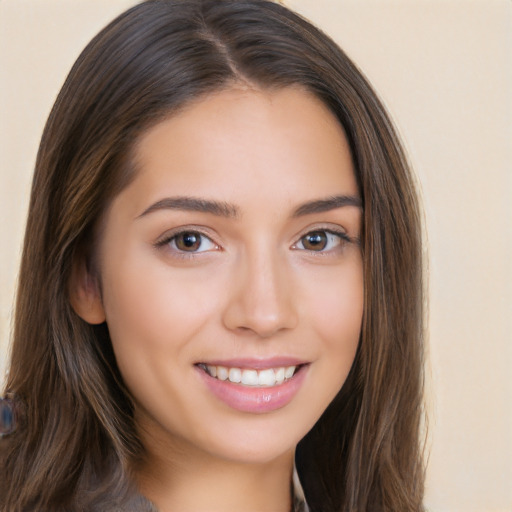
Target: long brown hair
[(79, 439)]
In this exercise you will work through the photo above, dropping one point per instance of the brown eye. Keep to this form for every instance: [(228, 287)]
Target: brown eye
[(323, 240), (315, 241), (189, 241)]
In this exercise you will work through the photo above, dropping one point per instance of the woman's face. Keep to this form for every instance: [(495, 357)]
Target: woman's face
[(234, 255)]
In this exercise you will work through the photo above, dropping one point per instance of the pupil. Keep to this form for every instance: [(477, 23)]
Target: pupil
[(316, 241), (189, 241)]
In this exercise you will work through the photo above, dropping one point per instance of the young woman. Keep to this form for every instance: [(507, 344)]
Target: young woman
[(221, 281)]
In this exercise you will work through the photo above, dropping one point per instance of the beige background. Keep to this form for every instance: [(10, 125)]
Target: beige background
[(444, 69)]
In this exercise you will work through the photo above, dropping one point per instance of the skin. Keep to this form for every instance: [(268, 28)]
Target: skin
[(254, 289)]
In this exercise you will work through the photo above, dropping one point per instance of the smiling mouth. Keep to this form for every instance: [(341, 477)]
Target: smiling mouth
[(265, 378)]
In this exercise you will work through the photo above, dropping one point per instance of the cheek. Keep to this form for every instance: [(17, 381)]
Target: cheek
[(152, 312), (336, 317), (337, 310), (154, 316)]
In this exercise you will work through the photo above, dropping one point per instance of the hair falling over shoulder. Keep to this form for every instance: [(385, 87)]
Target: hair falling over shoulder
[(76, 446)]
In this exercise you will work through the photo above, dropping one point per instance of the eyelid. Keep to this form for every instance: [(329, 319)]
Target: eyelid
[(329, 229), (165, 240)]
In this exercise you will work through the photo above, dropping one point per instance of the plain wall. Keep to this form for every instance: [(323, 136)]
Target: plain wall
[(444, 69)]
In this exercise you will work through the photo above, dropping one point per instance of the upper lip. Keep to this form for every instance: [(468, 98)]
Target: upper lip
[(256, 363)]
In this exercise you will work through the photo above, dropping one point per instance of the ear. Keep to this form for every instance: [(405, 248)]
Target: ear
[(85, 294)]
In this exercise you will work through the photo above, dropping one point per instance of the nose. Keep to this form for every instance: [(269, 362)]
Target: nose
[(261, 297)]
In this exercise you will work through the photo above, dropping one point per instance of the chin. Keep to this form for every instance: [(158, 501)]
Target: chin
[(258, 440)]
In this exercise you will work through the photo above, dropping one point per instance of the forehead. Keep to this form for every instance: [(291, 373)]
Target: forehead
[(244, 142)]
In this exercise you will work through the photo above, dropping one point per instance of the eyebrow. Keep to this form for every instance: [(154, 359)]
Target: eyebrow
[(223, 209), (325, 205), (194, 204)]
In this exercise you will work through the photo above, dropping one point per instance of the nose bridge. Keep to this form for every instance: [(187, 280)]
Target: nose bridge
[(262, 300)]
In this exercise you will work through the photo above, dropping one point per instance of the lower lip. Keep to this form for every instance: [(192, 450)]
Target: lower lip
[(255, 399)]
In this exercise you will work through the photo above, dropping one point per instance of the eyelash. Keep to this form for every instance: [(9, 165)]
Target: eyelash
[(170, 240), (342, 237)]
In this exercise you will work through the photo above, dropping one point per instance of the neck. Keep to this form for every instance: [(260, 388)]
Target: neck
[(191, 481)]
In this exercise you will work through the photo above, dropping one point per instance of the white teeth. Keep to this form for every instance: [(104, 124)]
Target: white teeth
[(222, 373), (289, 371), (262, 378), (235, 375), (267, 377), (250, 377)]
